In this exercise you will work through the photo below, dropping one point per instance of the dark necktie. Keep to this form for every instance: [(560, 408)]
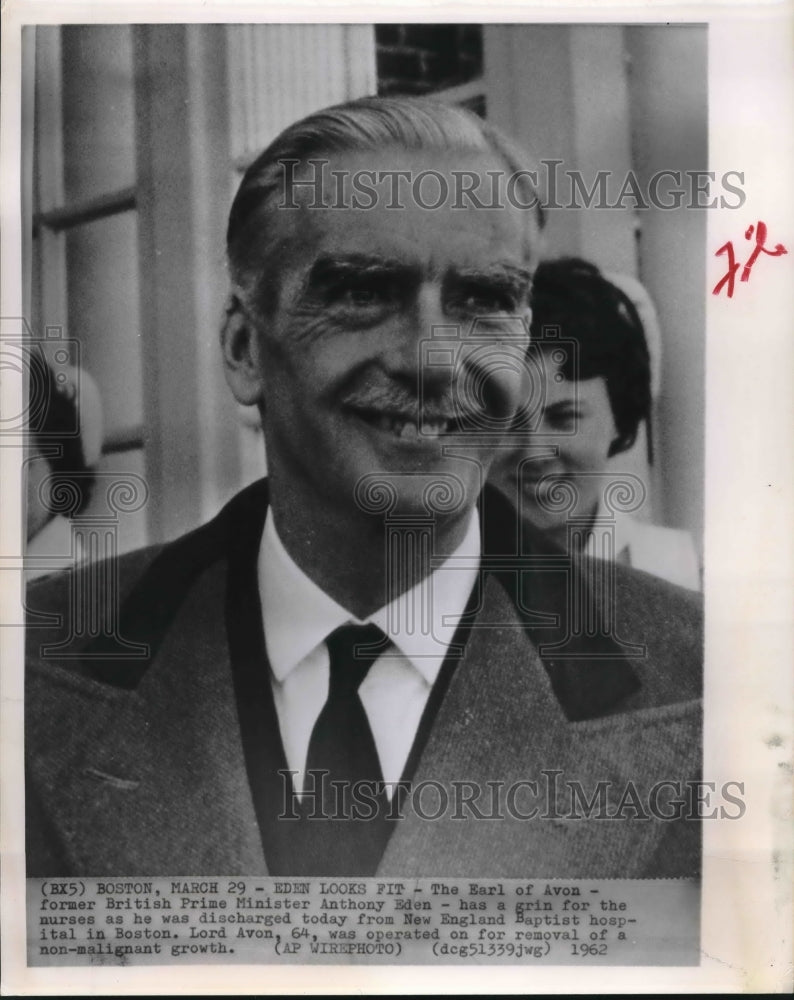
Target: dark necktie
[(354, 830)]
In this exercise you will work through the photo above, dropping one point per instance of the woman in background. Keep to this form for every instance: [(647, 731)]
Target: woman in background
[(593, 369)]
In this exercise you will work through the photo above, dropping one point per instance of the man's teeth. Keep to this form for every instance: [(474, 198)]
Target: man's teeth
[(435, 428), (407, 430)]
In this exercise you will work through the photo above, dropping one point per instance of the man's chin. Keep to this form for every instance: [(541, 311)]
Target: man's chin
[(413, 490)]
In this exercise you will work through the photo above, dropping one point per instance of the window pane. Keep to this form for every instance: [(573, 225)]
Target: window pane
[(423, 58), (98, 121), (102, 279)]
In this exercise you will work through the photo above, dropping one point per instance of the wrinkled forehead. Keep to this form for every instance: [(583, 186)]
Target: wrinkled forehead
[(420, 204)]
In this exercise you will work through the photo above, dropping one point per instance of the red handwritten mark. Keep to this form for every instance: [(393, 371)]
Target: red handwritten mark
[(729, 278), (730, 275)]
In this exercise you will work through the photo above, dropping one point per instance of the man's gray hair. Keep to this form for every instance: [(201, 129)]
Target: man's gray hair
[(369, 123)]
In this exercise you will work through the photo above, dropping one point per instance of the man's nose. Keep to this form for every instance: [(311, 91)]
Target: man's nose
[(433, 325), (429, 309), (410, 351)]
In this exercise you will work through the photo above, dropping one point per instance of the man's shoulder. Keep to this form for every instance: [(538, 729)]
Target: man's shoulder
[(47, 594), (199, 545), (65, 613), (660, 604), (664, 622), (81, 609)]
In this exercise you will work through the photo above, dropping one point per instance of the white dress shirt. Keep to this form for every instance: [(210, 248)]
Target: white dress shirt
[(298, 617)]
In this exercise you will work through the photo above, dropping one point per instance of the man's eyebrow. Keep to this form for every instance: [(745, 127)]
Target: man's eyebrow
[(498, 272), (331, 266), (334, 266)]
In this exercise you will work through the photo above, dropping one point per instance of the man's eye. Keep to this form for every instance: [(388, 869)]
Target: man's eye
[(361, 298), (484, 302), (360, 295)]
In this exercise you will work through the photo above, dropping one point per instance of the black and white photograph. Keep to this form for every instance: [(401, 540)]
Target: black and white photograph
[(365, 492)]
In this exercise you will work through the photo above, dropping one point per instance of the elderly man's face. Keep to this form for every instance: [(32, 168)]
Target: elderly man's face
[(348, 390)]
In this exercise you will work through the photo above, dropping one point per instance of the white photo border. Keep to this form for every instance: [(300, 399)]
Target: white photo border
[(749, 555)]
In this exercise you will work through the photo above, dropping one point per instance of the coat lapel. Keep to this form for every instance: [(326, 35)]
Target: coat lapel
[(502, 723), (152, 779)]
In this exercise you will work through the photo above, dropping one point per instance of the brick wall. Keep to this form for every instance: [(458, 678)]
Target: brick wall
[(422, 58)]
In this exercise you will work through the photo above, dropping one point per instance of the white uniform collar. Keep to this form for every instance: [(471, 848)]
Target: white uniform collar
[(622, 525)]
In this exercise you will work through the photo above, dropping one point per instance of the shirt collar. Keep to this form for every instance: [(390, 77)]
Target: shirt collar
[(297, 615)]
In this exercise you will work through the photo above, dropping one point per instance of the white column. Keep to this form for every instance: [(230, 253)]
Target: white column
[(279, 73), (562, 91), (182, 149)]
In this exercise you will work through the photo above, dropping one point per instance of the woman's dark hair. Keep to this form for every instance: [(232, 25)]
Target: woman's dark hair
[(54, 420), (573, 297)]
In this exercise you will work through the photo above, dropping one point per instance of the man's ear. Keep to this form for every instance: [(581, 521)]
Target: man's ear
[(241, 354)]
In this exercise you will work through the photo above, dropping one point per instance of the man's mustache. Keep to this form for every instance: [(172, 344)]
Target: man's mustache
[(395, 399)]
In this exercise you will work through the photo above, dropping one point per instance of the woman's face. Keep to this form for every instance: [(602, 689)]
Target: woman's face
[(568, 447)]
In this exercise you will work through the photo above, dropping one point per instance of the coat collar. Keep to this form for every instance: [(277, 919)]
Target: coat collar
[(503, 739), (148, 780), (112, 755), (589, 670)]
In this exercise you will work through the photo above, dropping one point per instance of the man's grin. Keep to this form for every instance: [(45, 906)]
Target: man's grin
[(411, 427)]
